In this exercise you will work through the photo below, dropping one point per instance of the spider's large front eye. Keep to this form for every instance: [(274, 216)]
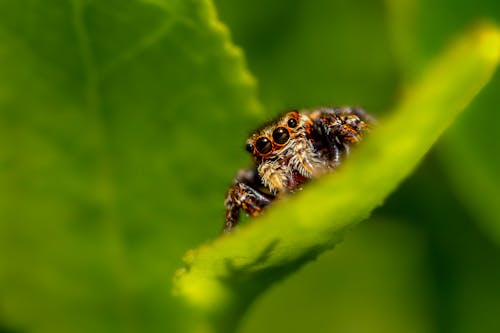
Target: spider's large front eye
[(263, 145), (281, 135)]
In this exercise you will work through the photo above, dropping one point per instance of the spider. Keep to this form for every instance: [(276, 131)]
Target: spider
[(291, 150)]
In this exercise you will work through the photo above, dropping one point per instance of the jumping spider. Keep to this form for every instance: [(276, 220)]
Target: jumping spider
[(289, 151)]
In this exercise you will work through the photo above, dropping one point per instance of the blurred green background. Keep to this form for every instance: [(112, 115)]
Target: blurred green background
[(122, 124)]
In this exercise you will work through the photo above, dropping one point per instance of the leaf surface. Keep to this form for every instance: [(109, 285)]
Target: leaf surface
[(114, 119), (223, 277)]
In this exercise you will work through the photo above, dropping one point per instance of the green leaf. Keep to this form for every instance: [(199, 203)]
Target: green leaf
[(221, 278), (320, 58), (469, 151), (114, 117), (375, 281), (466, 150)]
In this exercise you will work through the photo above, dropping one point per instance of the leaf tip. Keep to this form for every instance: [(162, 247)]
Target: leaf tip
[(189, 257), (201, 292), (489, 42)]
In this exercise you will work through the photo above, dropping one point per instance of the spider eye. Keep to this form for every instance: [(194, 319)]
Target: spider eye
[(249, 147), (281, 135), (263, 145), (292, 122)]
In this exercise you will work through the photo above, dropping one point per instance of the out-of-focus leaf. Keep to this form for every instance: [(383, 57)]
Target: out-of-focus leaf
[(470, 153), (465, 264), (461, 258), (114, 119), (222, 278), (402, 17), (377, 281), (468, 150), (308, 53)]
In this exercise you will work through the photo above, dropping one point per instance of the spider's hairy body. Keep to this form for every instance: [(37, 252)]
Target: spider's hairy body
[(291, 150)]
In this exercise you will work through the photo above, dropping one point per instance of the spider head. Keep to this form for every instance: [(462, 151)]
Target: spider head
[(270, 140), (274, 148)]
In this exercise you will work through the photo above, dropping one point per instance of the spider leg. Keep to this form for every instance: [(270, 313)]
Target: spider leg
[(245, 193), (340, 128)]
